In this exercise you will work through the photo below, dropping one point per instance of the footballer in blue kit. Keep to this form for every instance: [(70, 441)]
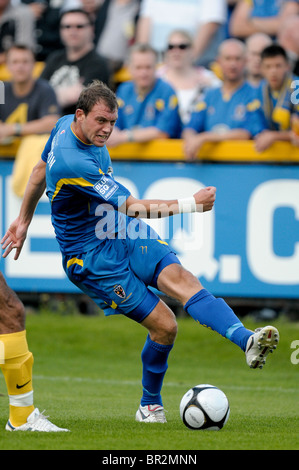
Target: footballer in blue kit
[(114, 256), (80, 185)]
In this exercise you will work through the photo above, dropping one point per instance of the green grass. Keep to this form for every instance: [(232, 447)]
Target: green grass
[(87, 376)]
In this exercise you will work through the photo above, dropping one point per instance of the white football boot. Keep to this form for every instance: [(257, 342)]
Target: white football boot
[(36, 421), (151, 414), (263, 341)]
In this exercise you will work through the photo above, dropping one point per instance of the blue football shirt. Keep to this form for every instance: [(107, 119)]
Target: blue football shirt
[(81, 189), (159, 108), (108, 255), (219, 113)]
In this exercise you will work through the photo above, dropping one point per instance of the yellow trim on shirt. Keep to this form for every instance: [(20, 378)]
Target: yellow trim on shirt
[(74, 261), (74, 181)]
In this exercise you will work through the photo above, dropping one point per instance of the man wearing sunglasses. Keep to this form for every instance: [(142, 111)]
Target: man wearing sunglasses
[(69, 70)]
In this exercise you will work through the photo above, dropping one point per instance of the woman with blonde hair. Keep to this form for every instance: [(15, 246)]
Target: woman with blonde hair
[(178, 69)]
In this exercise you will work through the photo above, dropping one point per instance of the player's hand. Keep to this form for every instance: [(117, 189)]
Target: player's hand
[(14, 238), (205, 198)]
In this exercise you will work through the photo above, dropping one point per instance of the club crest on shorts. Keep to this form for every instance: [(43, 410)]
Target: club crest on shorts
[(119, 290)]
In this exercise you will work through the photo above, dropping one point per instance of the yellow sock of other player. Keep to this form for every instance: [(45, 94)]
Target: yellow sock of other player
[(16, 363)]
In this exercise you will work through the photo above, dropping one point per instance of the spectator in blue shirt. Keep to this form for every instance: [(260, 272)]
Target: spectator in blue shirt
[(277, 96), (148, 106), (229, 112)]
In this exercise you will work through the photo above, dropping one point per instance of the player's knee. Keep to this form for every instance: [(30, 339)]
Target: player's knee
[(161, 324), (165, 333), (172, 332)]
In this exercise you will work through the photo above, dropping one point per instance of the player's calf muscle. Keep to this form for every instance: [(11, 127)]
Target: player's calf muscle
[(12, 311), (12, 320)]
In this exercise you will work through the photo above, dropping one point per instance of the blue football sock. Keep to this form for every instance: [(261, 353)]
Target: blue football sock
[(217, 315), (154, 358)]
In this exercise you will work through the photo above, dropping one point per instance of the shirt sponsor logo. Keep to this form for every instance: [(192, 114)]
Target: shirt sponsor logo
[(106, 187)]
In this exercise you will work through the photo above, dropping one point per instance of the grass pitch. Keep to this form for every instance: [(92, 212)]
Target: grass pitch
[(87, 375)]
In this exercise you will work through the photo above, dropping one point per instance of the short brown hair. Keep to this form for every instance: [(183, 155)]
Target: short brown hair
[(77, 10), (20, 47), (95, 92), (142, 48)]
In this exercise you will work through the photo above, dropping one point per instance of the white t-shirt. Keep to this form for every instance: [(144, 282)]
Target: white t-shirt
[(189, 15), (189, 97)]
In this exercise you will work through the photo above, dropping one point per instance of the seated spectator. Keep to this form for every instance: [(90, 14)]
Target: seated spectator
[(275, 95), (189, 81), (118, 32), (288, 38), (205, 20), (260, 16), (74, 67), (46, 14), (148, 106), (230, 112), (17, 25), (30, 105), (255, 45), (97, 10)]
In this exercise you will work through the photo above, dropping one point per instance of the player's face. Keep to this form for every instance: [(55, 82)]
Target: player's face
[(274, 70), (20, 64), (95, 127), (143, 70)]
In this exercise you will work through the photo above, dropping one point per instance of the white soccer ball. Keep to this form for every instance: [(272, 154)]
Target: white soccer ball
[(204, 407)]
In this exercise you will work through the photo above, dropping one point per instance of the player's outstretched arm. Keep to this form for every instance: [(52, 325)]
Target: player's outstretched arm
[(201, 201), (16, 234)]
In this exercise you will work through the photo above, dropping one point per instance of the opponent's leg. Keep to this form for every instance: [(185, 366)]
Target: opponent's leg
[(16, 363), (162, 328), (12, 313), (214, 313)]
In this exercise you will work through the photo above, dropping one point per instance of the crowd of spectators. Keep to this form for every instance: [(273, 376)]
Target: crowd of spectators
[(200, 70)]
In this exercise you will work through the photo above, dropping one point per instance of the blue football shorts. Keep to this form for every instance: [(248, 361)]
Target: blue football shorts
[(117, 272)]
